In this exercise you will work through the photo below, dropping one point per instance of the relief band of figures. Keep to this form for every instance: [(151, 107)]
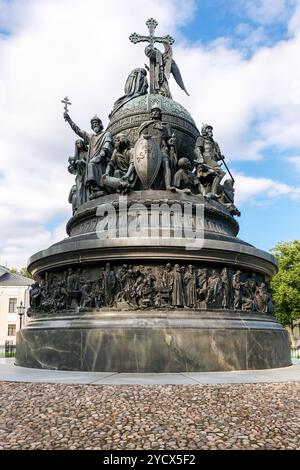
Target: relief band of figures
[(148, 286)]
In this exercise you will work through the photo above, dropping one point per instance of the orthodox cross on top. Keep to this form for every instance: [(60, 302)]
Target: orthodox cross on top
[(151, 23), (66, 103), (151, 39)]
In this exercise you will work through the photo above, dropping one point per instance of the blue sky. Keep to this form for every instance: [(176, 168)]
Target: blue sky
[(240, 60), (215, 19), (223, 18)]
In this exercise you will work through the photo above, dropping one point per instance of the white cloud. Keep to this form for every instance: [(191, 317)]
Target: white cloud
[(250, 37), (252, 189), (260, 22), (254, 103), (266, 12), (25, 239), (80, 48), (294, 22), (58, 47)]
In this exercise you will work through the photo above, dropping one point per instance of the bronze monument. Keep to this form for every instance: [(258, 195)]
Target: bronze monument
[(152, 276)]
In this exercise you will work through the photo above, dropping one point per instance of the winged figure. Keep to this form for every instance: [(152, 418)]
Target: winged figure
[(163, 65)]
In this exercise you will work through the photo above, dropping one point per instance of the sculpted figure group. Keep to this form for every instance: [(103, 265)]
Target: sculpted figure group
[(178, 286), (103, 164)]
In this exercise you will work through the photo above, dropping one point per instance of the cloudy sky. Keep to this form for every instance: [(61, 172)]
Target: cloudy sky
[(240, 60)]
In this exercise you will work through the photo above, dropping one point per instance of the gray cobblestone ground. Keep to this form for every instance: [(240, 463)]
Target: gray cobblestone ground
[(242, 416)]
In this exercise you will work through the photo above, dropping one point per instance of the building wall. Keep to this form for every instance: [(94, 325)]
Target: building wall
[(21, 293)]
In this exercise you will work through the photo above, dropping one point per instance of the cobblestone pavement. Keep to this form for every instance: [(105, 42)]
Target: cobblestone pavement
[(242, 416)]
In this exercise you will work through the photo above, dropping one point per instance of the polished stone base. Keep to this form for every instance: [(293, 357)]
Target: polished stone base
[(155, 341)]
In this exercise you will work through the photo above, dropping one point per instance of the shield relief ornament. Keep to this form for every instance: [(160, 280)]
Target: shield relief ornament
[(147, 160)]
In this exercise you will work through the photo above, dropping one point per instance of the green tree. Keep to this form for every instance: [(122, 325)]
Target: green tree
[(286, 283), (21, 271)]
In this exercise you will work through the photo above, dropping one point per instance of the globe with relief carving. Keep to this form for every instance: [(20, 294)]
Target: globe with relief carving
[(129, 117)]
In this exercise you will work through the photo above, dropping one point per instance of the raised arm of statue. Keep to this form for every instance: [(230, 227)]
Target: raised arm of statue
[(84, 135)]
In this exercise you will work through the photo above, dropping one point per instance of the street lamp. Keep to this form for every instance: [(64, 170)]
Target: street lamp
[(21, 312)]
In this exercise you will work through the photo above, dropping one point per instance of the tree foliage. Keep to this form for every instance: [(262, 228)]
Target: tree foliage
[(286, 283), (21, 271)]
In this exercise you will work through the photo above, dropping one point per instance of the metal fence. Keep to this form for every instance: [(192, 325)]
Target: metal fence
[(7, 350)]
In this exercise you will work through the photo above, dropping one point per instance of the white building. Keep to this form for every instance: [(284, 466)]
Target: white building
[(14, 289)]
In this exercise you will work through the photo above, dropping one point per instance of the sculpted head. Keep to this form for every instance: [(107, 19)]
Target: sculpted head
[(156, 113), (80, 145), (122, 142), (203, 272), (184, 163), (96, 124), (207, 130)]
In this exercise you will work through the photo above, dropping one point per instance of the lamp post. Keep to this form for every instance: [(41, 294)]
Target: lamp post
[(21, 312)]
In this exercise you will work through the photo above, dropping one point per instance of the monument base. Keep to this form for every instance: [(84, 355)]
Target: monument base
[(154, 341)]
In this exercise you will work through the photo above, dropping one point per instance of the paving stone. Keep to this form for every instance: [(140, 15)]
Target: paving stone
[(225, 416)]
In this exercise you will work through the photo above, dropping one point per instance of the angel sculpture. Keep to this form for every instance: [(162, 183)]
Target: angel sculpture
[(163, 65)]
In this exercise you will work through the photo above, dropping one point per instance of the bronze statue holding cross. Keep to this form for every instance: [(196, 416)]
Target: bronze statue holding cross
[(162, 64)]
